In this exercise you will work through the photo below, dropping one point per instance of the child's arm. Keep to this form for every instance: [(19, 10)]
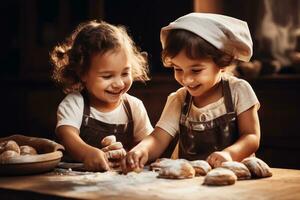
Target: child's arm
[(248, 142), (93, 158), (149, 148)]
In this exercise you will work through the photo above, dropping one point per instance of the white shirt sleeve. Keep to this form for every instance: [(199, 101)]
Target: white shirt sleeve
[(244, 96), (170, 117), (142, 124), (70, 110)]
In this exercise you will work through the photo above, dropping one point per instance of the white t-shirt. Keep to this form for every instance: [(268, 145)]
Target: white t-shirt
[(243, 98), (70, 112)]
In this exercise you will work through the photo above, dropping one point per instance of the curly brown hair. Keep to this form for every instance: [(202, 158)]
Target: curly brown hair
[(195, 48), (72, 58)]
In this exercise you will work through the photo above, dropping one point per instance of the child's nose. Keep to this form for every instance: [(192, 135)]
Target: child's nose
[(187, 80), (118, 83)]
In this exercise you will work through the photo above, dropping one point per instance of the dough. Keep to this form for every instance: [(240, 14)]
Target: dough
[(108, 140), (113, 146), (27, 150), (173, 169), (9, 145), (240, 170), (116, 154), (257, 167), (220, 176), (160, 163), (6, 155), (201, 167)]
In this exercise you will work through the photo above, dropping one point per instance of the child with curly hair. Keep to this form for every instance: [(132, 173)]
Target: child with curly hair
[(96, 66)]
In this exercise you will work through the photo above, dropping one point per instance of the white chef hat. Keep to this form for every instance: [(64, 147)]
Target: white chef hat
[(227, 34)]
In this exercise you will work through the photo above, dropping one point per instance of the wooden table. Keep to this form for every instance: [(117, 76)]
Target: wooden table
[(284, 184)]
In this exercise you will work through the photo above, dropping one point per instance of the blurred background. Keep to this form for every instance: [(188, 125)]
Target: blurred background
[(31, 28)]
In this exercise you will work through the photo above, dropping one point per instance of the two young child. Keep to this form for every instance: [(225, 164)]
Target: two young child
[(213, 116)]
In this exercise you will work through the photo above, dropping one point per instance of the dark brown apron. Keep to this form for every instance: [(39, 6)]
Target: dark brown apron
[(92, 131), (197, 139)]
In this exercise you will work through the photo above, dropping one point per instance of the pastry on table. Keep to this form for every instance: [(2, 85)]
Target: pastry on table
[(257, 167), (173, 169), (201, 167), (240, 170), (220, 176)]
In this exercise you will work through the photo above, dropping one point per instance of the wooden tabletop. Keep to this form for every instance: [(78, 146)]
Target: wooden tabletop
[(284, 184)]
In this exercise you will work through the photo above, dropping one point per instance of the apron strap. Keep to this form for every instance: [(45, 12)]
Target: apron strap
[(127, 108), (227, 96), (86, 108), (187, 104)]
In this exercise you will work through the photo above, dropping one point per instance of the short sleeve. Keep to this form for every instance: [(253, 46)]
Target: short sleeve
[(169, 119), (244, 96), (142, 124), (70, 111)]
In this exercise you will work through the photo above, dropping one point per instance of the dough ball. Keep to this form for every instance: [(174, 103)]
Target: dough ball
[(220, 176), (8, 154), (161, 163), (108, 140), (257, 167), (177, 169), (113, 146), (27, 150), (240, 170), (201, 167), (9, 145), (116, 154)]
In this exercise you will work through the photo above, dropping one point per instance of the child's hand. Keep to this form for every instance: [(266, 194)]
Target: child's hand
[(96, 160), (216, 158), (134, 160)]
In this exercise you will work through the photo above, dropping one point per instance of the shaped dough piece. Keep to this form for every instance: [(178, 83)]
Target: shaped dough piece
[(160, 163), (9, 145), (113, 146), (116, 154), (176, 169), (257, 167), (201, 167), (220, 176), (27, 150), (7, 155), (108, 140), (240, 170)]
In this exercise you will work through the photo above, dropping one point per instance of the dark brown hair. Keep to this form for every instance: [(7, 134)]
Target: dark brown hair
[(71, 59), (194, 46)]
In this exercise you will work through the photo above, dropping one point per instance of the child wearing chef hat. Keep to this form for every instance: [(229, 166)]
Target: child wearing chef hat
[(214, 115)]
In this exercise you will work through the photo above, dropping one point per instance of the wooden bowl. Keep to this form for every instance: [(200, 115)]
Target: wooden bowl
[(31, 164)]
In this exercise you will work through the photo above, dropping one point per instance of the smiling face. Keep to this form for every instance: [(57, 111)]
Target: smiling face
[(199, 76), (108, 78)]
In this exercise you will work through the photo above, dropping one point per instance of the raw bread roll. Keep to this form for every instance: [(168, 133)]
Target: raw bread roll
[(113, 146), (220, 176), (116, 154), (240, 170), (176, 169), (160, 163), (108, 140), (257, 167), (27, 150), (9, 145), (201, 167), (6, 155)]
